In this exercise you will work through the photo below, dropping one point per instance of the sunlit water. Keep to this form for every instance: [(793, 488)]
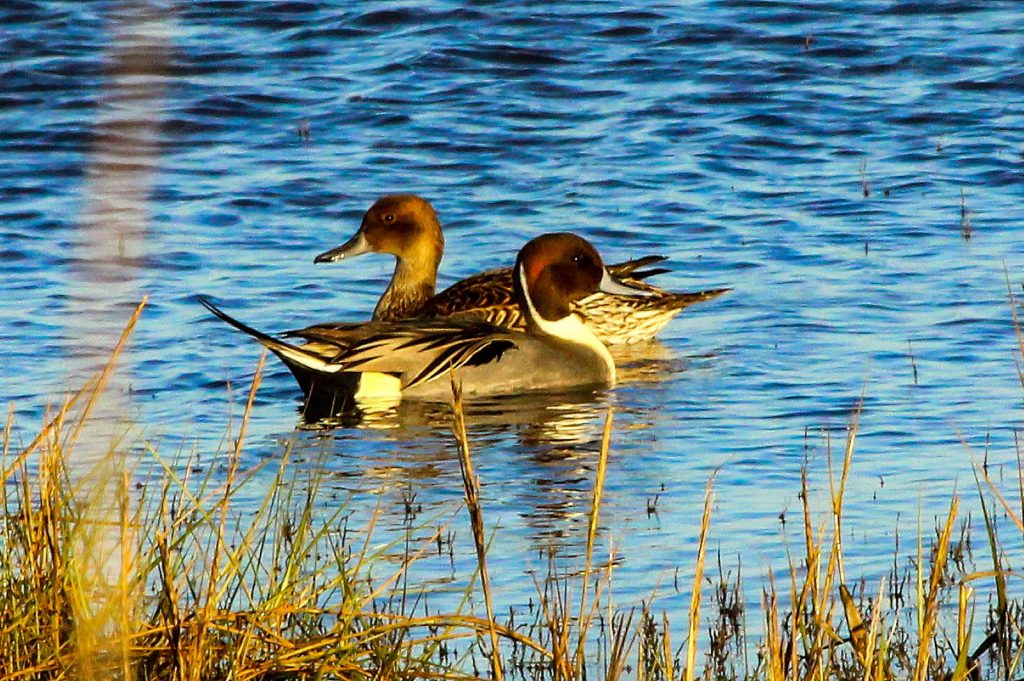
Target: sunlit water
[(823, 160)]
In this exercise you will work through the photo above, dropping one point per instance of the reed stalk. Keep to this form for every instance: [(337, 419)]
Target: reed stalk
[(471, 485), (585, 617), (698, 578)]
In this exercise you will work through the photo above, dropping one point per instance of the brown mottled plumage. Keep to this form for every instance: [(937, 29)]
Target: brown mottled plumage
[(407, 227), (615, 319)]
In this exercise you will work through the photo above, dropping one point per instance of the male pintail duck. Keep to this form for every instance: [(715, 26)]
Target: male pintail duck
[(556, 351), (407, 227)]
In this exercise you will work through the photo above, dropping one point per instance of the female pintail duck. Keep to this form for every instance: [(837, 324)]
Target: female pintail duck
[(556, 351), (407, 227)]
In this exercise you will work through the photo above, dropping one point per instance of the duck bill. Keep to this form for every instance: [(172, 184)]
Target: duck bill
[(357, 245), (610, 285)]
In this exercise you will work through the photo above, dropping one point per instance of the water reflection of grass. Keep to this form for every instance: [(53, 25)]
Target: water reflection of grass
[(103, 575)]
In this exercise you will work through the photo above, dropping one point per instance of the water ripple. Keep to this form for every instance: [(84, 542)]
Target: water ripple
[(822, 159)]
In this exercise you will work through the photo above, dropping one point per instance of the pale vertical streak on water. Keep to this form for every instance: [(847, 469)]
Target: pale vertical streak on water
[(105, 285)]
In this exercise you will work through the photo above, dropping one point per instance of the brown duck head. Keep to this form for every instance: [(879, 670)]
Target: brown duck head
[(555, 270), (403, 225)]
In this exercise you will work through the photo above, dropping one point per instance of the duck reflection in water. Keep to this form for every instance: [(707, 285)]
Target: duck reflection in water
[(536, 455)]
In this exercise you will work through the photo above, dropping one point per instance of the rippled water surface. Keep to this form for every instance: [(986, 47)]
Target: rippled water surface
[(823, 159)]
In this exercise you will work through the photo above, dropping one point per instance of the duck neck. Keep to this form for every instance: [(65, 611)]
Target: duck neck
[(411, 286), (569, 329), (572, 329)]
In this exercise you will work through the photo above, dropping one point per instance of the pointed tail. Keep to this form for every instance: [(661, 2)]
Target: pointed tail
[(684, 300), (292, 355)]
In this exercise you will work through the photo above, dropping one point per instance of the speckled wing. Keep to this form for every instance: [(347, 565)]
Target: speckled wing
[(619, 320), (615, 319), (489, 296)]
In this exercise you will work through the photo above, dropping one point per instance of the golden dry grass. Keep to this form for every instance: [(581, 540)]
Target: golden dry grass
[(177, 581)]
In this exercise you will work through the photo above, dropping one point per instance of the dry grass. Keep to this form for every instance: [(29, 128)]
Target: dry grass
[(193, 586), (173, 579)]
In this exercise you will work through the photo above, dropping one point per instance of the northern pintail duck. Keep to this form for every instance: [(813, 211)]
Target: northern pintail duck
[(556, 351), (406, 226)]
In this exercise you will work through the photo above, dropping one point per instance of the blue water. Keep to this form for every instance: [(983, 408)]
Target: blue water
[(823, 159)]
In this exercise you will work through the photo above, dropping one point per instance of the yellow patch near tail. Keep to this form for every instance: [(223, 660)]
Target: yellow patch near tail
[(377, 391)]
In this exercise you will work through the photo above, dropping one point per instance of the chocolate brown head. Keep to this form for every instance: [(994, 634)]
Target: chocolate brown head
[(555, 270)]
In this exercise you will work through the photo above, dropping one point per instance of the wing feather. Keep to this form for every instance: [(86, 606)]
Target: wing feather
[(424, 353)]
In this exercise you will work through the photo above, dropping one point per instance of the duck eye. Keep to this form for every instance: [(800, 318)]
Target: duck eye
[(389, 218), (577, 258)]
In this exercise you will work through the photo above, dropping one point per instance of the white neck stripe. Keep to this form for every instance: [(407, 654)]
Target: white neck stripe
[(569, 328), (531, 311)]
